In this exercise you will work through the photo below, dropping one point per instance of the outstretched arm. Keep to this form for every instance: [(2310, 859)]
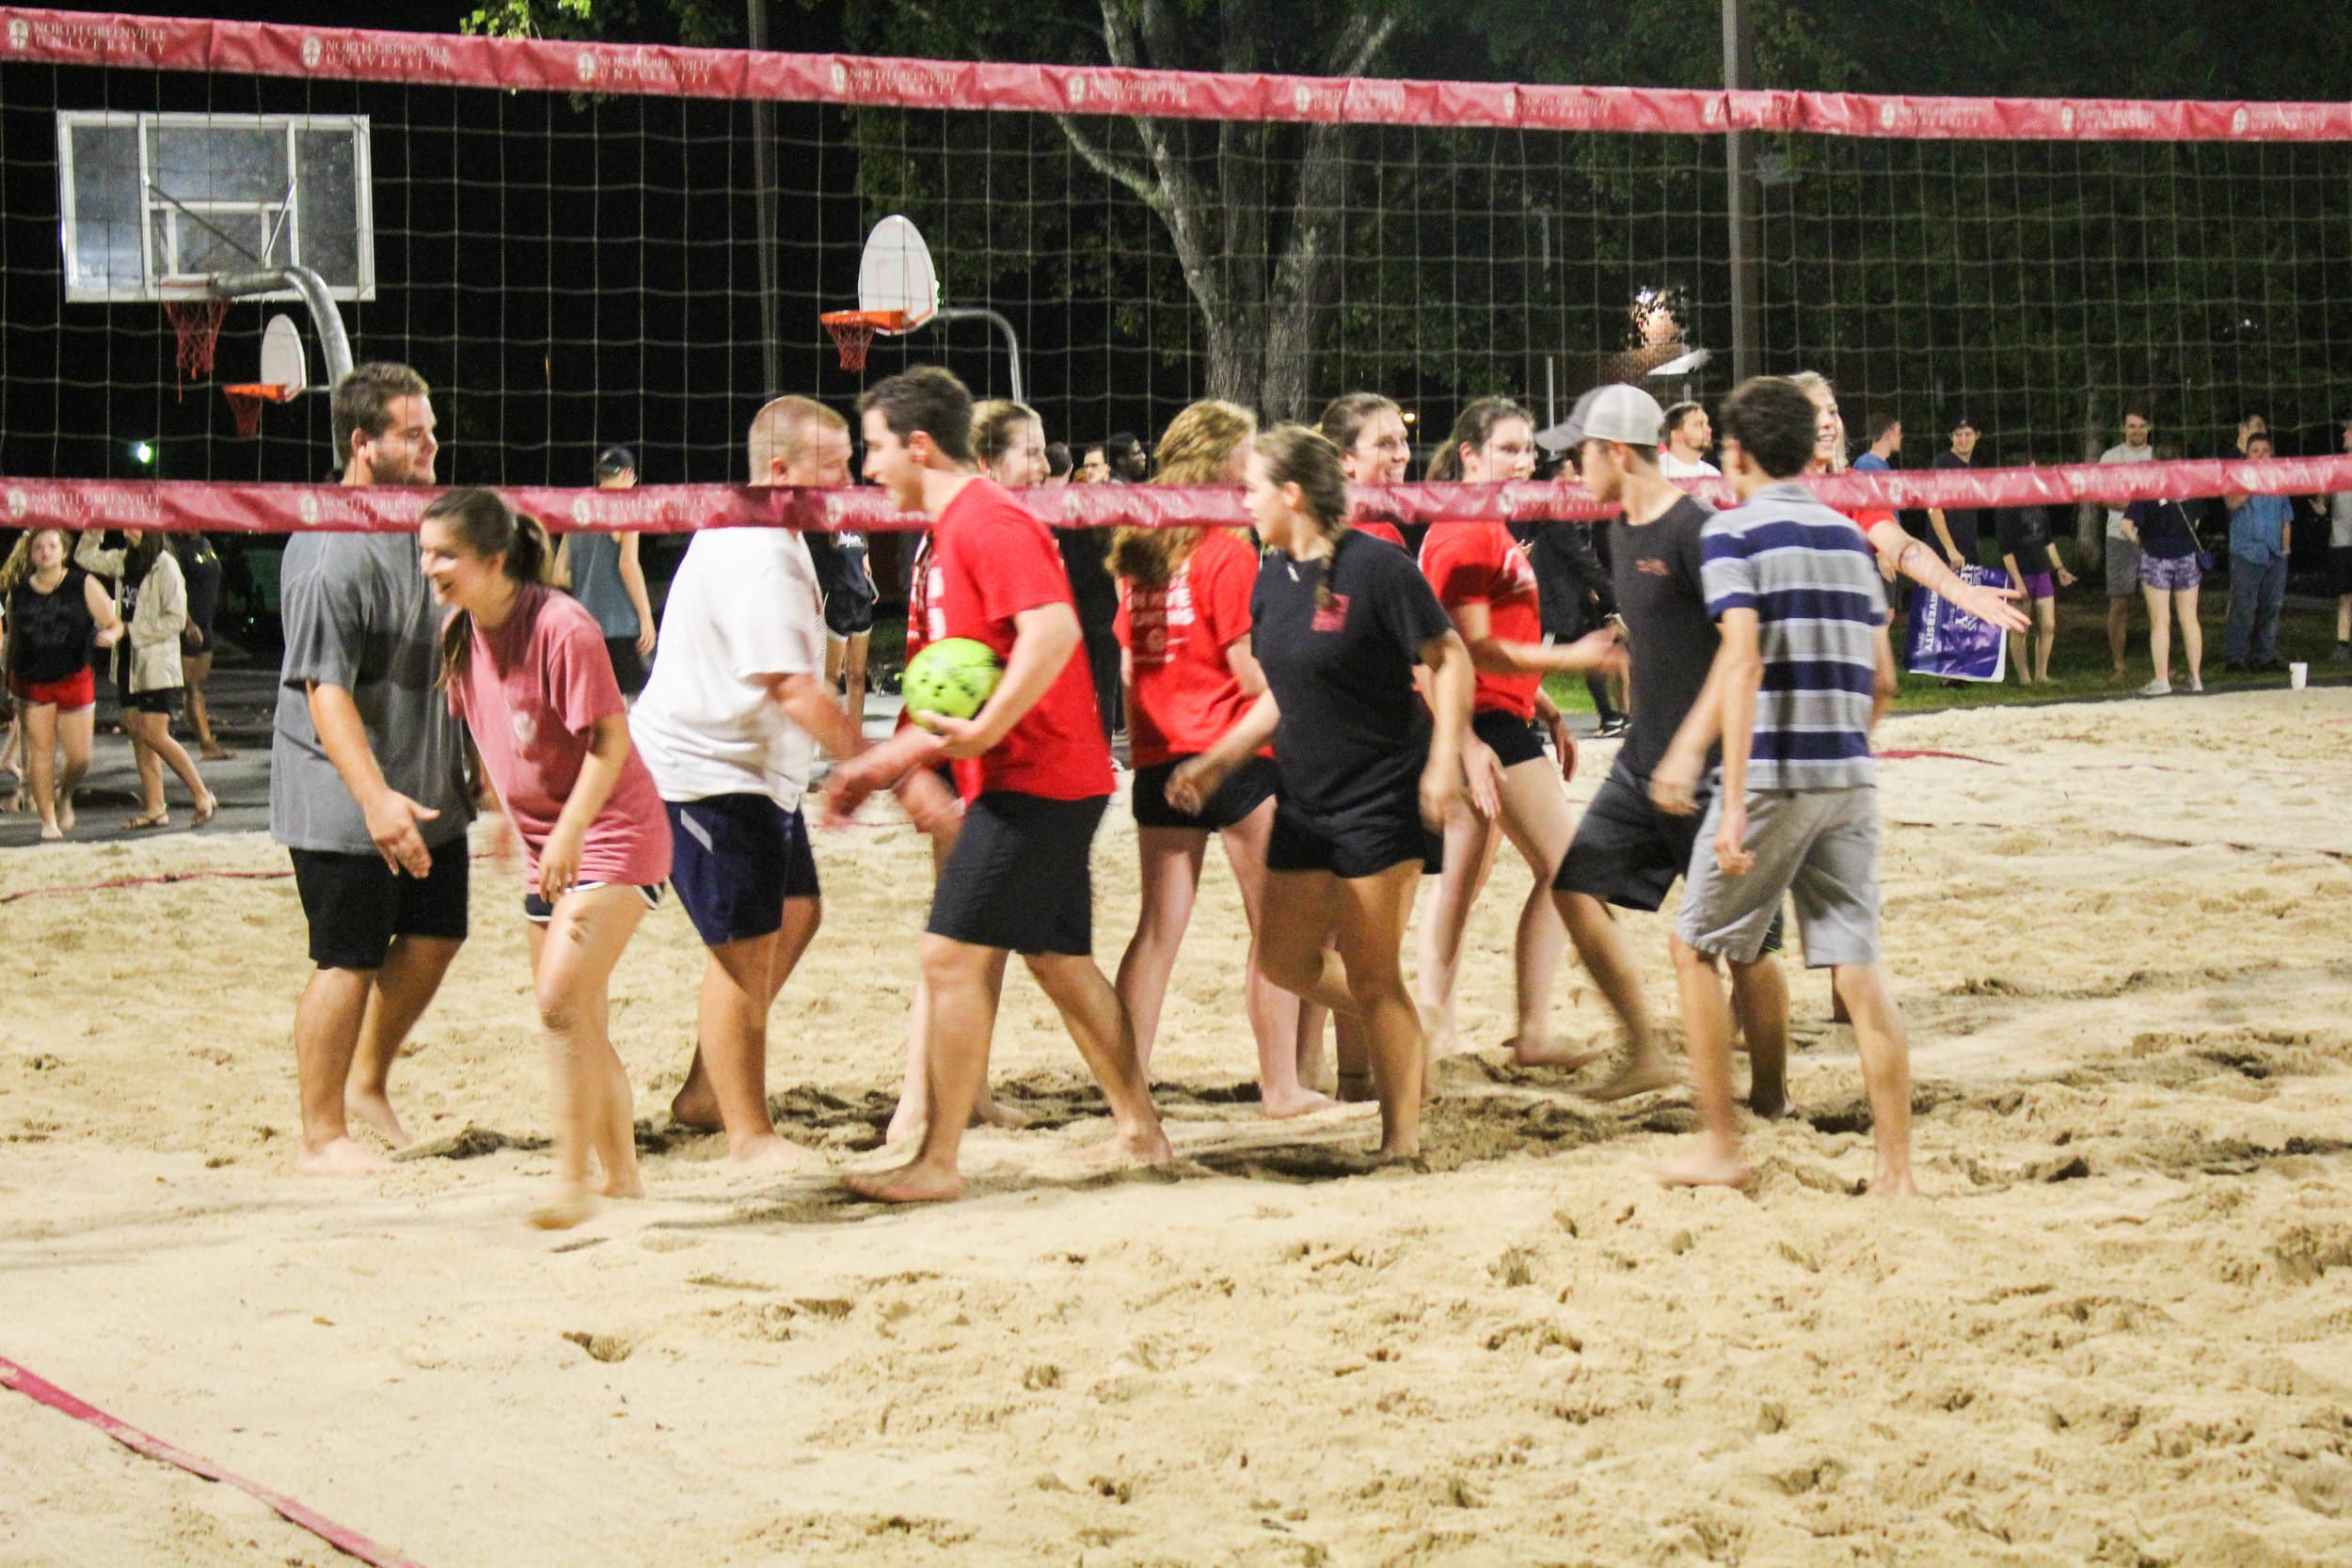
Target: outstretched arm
[(1913, 560)]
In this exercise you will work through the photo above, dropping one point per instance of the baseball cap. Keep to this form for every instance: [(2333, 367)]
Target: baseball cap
[(1617, 412), (616, 460), (1962, 422)]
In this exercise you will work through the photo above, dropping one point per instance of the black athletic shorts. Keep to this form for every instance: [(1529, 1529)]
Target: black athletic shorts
[(1019, 878), (734, 860), (1629, 853), (539, 911), (1513, 738), (849, 614), (164, 699), (1354, 844), (2340, 571), (629, 666), (1245, 789), (355, 904)]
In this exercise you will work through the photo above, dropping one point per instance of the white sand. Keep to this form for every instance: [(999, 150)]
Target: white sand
[(2118, 1332)]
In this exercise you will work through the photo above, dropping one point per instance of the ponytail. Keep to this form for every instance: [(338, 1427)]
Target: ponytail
[(1295, 455), (485, 526)]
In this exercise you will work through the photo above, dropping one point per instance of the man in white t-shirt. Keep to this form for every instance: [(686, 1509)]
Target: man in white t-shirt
[(2123, 555), (728, 724), (1688, 437)]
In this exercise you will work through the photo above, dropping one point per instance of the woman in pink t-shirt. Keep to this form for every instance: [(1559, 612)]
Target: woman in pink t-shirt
[(527, 671)]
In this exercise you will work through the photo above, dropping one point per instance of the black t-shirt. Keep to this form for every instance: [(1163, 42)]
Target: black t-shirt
[(1086, 557), (1568, 576), (200, 564), (51, 636), (1669, 635), (840, 563), (2163, 528), (2024, 532), (1964, 521), (1354, 732)]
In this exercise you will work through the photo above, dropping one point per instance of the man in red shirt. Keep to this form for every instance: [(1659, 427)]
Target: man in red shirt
[(1034, 769)]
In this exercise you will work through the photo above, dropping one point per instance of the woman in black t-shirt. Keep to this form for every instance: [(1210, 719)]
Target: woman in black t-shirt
[(1337, 622), (57, 614)]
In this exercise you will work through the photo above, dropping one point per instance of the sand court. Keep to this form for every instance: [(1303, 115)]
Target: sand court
[(2120, 1331)]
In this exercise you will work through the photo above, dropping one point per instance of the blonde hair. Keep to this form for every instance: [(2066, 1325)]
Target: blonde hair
[(996, 426), (20, 562), (1197, 448), (780, 431), (1816, 387)]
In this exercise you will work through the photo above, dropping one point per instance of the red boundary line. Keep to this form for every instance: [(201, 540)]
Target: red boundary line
[(538, 65), (350, 1543), (145, 881), (197, 505)]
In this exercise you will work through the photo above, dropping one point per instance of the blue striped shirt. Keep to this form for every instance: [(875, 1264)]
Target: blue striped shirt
[(1813, 581)]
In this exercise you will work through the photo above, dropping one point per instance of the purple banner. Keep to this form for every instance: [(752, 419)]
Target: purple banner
[(1945, 641)]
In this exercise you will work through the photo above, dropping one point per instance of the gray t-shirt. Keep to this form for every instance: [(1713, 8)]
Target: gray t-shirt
[(359, 614), (595, 563)]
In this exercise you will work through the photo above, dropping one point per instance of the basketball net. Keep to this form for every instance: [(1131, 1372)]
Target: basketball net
[(853, 331), (244, 404), (196, 322)]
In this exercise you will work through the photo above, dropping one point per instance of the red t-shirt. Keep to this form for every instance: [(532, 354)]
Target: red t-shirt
[(531, 694), (1481, 563), (1385, 532), (1176, 636), (991, 560)]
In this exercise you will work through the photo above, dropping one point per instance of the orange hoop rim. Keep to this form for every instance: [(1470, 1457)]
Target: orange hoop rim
[(259, 391), (892, 322)]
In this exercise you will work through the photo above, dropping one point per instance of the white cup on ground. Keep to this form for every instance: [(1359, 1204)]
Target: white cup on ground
[(2297, 674)]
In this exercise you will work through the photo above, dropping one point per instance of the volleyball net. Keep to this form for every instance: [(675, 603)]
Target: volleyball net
[(583, 243)]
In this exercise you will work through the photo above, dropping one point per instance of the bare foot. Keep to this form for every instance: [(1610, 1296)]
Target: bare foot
[(696, 1108), (1894, 1184), (1641, 1074), (1535, 1050), (572, 1206), (1404, 1146), (1705, 1166), (1769, 1101), (217, 754), (206, 809), (1293, 1103), (1438, 1028), (374, 1108), (907, 1121), (51, 832), (992, 1112), (628, 1185), (65, 815), (341, 1157), (1355, 1088), (770, 1152), (913, 1182), (1147, 1147)]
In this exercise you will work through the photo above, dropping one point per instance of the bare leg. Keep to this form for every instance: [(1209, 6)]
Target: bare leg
[(1885, 1043), (2046, 618), (1274, 1013), (1706, 1027), (1536, 818), (2344, 617), (2160, 631), (1170, 881), (729, 1081), (853, 671), (1470, 854), (2119, 632), (1301, 909), (1091, 1010), (1373, 911), (136, 727), (962, 983), (571, 966), (1760, 995), (2192, 637), (1602, 947), (403, 986), (328, 1019), (40, 721), (2021, 654), (151, 735), (75, 730), (196, 669)]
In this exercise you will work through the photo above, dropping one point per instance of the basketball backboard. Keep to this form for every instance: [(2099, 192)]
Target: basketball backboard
[(283, 363), (894, 275), (152, 205)]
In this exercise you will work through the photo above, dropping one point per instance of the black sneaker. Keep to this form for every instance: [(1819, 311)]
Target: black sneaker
[(1611, 728), (2233, 667)]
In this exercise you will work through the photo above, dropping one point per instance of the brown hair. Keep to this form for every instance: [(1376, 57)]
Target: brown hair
[(780, 428), (1295, 455), (996, 425), (485, 526), (927, 399), (1346, 416), (1774, 421), (1197, 448), (1475, 427), (363, 400)]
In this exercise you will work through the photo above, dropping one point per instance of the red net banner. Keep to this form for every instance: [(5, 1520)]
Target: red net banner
[(184, 506), (361, 54)]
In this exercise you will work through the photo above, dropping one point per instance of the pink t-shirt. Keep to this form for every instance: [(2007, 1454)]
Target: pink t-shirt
[(531, 695)]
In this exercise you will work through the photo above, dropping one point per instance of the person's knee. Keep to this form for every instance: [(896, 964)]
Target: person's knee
[(1688, 959), (1290, 963)]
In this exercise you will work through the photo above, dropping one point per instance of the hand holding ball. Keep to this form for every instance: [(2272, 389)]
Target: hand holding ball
[(951, 679)]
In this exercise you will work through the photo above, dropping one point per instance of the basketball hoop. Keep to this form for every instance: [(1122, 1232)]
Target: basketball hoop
[(853, 331), (196, 322), (246, 400)]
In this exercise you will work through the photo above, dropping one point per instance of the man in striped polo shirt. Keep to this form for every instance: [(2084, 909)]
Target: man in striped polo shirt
[(1801, 677)]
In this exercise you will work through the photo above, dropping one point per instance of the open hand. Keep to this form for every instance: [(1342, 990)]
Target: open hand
[(1732, 855)]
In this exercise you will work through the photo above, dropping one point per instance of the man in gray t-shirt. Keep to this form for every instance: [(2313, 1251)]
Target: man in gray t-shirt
[(367, 782)]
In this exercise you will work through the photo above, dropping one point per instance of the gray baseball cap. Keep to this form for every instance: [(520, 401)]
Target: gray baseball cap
[(1617, 412)]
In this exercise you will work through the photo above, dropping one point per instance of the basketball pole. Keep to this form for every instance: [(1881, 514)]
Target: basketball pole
[(1012, 341), (326, 321), (1741, 207)]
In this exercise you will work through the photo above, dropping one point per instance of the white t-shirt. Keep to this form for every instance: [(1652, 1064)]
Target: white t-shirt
[(745, 605), (2121, 452), (1675, 467)]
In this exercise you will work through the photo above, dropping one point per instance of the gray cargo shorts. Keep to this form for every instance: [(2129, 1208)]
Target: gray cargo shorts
[(1820, 845), (2122, 568)]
